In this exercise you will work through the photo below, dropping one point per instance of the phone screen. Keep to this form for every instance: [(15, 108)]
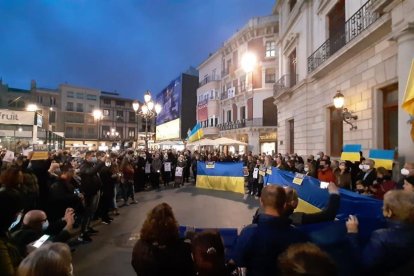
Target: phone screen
[(40, 241), (324, 185)]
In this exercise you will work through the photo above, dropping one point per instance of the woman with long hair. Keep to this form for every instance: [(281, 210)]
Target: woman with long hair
[(160, 251)]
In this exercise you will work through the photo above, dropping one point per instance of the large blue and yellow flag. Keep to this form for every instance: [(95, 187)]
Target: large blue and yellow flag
[(382, 158), (313, 198), (220, 176), (351, 153), (196, 133)]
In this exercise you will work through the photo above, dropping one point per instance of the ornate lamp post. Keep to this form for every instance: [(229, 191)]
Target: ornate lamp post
[(147, 110), (97, 114)]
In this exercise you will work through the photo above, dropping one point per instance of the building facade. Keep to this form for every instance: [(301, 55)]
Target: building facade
[(363, 49), (243, 109), (120, 123)]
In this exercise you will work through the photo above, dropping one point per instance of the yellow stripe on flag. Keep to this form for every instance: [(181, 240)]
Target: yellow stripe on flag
[(387, 164), (351, 156), (222, 183), (408, 103), (306, 207)]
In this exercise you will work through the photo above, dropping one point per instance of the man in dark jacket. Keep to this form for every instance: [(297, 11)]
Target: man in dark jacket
[(90, 188), (259, 245)]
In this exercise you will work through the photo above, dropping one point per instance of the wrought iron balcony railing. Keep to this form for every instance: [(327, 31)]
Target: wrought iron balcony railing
[(284, 83), (208, 79), (353, 27)]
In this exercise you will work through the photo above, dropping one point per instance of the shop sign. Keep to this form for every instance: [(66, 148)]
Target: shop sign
[(11, 117), (268, 136)]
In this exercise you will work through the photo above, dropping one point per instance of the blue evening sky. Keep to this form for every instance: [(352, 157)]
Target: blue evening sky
[(124, 45)]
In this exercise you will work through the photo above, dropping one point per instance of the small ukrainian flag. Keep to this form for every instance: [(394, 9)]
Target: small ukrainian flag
[(382, 158), (351, 153), (196, 133)]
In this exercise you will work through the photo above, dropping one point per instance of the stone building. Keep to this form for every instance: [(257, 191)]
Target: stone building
[(363, 49)]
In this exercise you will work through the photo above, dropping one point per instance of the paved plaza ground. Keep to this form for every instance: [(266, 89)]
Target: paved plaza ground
[(110, 251)]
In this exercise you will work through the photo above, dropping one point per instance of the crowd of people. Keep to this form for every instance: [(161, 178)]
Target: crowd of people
[(57, 199)]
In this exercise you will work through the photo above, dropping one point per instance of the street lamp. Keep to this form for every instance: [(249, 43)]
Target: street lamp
[(147, 110), (248, 63), (32, 107), (97, 114), (347, 117)]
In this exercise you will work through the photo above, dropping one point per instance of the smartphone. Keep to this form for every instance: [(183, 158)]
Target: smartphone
[(40, 241), (324, 185)]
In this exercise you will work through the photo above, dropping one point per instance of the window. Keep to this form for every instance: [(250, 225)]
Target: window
[(132, 117), (291, 129), (79, 96), (131, 132), (52, 117), (79, 132), (79, 107), (120, 103), (242, 83), (91, 108), (91, 97), (292, 69), (119, 115), (69, 130), (69, 106), (70, 94), (390, 116), (107, 101), (228, 116), (292, 4), (242, 113), (211, 121), (270, 75), (120, 130), (40, 99), (91, 130), (270, 49), (52, 101), (215, 121)]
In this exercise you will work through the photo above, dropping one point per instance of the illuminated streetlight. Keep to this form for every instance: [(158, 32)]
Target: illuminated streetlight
[(248, 62), (31, 107), (147, 96), (135, 106), (339, 100)]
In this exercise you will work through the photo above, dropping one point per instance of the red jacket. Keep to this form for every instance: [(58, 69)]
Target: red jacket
[(326, 176)]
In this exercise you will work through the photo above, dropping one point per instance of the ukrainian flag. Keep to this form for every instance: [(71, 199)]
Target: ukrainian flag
[(196, 133), (351, 153), (382, 158), (312, 198), (221, 176)]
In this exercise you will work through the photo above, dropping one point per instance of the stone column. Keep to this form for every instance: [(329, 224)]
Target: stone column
[(254, 142), (405, 40)]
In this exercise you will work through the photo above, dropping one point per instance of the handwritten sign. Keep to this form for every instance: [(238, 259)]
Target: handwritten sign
[(256, 173), (8, 157), (179, 171), (298, 179), (167, 166), (210, 165), (148, 168)]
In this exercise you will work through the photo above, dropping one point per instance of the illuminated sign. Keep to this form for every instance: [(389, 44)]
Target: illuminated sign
[(170, 130), (170, 101), (16, 117)]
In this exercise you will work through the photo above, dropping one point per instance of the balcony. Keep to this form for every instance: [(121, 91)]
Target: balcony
[(210, 130), (208, 79), (353, 27), (283, 85)]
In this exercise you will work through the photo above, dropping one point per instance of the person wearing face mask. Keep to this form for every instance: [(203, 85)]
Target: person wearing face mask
[(368, 174), (90, 188), (343, 176), (10, 214), (166, 174), (325, 172), (35, 224), (406, 171), (109, 177)]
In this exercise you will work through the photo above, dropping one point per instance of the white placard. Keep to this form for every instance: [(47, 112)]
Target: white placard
[(26, 152), (8, 157), (255, 173), (179, 171), (148, 168), (167, 166)]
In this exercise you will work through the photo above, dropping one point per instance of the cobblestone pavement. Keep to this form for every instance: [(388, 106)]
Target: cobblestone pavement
[(110, 251)]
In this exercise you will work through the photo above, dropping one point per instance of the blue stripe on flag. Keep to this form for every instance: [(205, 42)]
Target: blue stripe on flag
[(352, 148), (221, 169), (381, 154)]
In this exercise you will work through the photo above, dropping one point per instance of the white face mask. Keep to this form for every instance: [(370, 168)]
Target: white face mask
[(108, 164), (17, 220), (45, 225), (364, 167), (405, 172), (306, 169), (318, 156)]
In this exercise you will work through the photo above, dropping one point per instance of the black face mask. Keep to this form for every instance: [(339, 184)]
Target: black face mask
[(309, 160), (380, 179)]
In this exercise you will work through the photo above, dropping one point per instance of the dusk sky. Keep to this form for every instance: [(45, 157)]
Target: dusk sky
[(124, 45)]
